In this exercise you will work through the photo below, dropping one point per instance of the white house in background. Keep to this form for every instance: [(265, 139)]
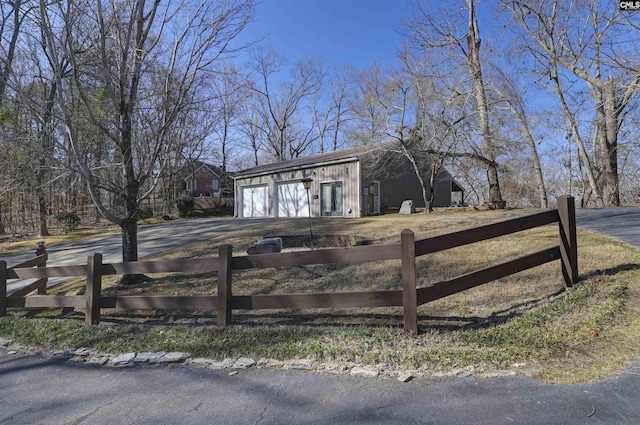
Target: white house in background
[(348, 183)]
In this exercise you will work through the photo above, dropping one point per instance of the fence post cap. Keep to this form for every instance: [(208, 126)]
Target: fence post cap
[(41, 249)]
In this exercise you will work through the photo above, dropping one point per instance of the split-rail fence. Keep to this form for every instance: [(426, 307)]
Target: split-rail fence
[(410, 297)]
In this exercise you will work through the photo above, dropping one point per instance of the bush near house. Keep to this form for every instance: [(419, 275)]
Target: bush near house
[(68, 220), (185, 205), (145, 212)]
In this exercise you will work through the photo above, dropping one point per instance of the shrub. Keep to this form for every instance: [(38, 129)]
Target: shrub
[(69, 221), (145, 212), (223, 210), (185, 205)]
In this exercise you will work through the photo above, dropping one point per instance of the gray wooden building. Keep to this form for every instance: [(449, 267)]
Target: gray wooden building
[(353, 182)]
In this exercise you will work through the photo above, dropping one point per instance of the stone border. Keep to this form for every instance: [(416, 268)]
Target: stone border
[(233, 366)]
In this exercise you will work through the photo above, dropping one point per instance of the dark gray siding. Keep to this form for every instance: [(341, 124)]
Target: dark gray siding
[(398, 182)]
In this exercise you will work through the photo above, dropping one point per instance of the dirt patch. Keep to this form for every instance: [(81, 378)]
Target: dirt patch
[(323, 241)]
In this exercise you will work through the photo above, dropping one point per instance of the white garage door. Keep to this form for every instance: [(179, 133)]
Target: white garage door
[(292, 200), (254, 201)]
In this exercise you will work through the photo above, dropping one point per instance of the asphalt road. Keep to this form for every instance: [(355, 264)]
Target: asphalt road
[(151, 240), (37, 391), (34, 390), (622, 223)]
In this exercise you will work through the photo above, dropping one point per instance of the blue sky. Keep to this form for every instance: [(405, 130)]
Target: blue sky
[(358, 32)]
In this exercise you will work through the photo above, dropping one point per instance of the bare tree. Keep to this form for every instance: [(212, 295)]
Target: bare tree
[(280, 104), (12, 16), (250, 126), (582, 39), (331, 110), (421, 119), (43, 110), (231, 91), (136, 69), (369, 117), (427, 32), (394, 96), (436, 137), (513, 100), (482, 107)]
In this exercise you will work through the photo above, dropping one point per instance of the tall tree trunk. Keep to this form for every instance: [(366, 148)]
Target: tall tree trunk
[(609, 148), (46, 148), (520, 114), (43, 213), (129, 229), (542, 191), (432, 193), (576, 135), (2, 229), (7, 64), (99, 157), (427, 191), (569, 166), (129, 240), (129, 224), (475, 68)]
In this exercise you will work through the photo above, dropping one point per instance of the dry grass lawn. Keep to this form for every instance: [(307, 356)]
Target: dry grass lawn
[(585, 333)]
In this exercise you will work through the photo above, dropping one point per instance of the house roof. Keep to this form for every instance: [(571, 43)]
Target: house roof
[(344, 155), (198, 167)]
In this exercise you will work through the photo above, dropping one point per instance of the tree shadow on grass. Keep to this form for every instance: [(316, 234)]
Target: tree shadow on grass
[(390, 318), (387, 318), (612, 271)]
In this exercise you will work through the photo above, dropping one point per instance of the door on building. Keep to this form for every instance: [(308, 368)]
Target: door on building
[(292, 200), (254, 201), (375, 193), (331, 198)]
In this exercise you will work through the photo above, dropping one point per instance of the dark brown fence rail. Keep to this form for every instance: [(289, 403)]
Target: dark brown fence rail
[(409, 297)]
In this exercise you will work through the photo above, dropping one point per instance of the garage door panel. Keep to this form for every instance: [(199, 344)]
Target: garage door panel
[(292, 200), (255, 201)]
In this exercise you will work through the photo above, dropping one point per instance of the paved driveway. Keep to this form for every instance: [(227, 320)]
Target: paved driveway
[(37, 391), (622, 223), (151, 240)]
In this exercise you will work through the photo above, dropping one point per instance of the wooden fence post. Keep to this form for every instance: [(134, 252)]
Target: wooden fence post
[(225, 256), (94, 290), (409, 294), (568, 240), (3, 288), (42, 250)]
